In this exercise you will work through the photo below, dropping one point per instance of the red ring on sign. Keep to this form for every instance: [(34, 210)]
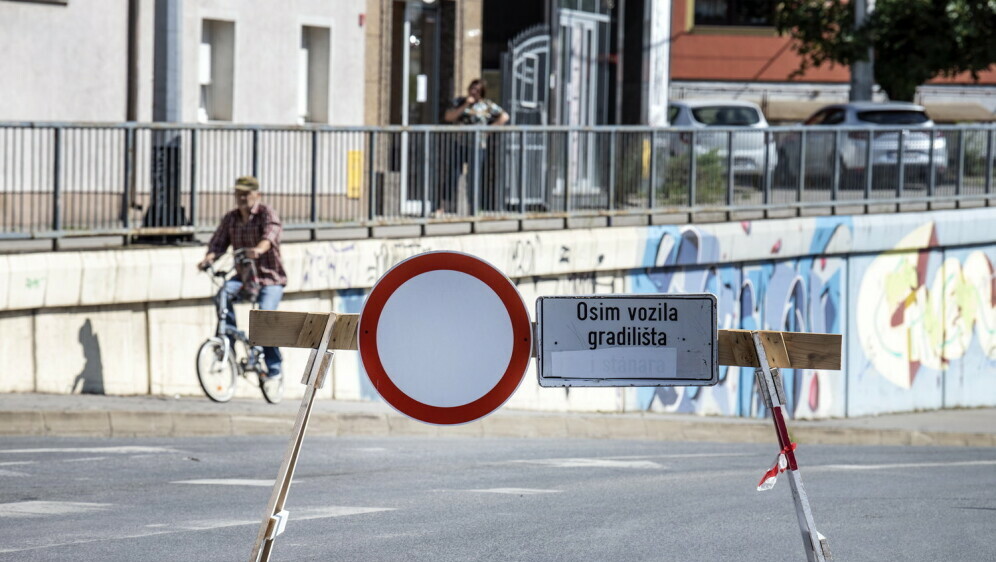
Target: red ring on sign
[(441, 261)]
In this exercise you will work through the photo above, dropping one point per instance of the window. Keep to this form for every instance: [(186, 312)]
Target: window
[(592, 6), (726, 116), (834, 117), (893, 117), (216, 70), (313, 75), (746, 13)]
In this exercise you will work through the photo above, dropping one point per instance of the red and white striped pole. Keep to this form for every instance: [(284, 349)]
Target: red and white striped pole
[(770, 382)]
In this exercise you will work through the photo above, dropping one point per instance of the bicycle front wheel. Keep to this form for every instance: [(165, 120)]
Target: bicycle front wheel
[(216, 370), (273, 390)]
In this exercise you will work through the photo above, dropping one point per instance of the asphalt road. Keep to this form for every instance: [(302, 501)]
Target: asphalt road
[(457, 499)]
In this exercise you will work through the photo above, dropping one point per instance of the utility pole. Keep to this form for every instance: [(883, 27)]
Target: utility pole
[(167, 59), (863, 72), (165, 207)]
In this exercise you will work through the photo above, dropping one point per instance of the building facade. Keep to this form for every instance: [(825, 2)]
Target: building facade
[(238, 61)]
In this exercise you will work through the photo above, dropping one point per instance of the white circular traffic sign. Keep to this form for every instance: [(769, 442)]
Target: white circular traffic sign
[(445, 337)]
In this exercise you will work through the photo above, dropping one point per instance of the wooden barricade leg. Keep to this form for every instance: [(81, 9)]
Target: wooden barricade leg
[(275, 517), (816, 545)]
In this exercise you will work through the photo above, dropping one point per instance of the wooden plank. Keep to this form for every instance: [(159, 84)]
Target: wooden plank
[(345, 332), (736, 348), (281, 328), (813, 351), (795, 350), (799, 350), (774, 348)]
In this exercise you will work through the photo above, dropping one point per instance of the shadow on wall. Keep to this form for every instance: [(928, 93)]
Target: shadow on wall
[(91, 379)]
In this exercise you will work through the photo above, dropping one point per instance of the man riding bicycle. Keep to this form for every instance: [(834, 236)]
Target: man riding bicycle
[(255, 229)]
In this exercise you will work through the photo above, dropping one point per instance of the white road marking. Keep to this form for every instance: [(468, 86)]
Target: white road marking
[(40, 508), (517, 491), (85, 459), (13, 463), (106, 450), (904, 465), (4, 472), (591, 463), (683, 456), (303, 514), (228, 482)]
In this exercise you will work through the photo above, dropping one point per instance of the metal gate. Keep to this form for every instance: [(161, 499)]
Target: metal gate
[(584, 47), (525, 93)]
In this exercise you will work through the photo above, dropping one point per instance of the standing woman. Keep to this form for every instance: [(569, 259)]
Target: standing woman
[(472, 109)]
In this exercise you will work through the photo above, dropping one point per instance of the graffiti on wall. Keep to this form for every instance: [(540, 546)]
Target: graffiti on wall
[(919, 309), (803, 294), (910, 314)]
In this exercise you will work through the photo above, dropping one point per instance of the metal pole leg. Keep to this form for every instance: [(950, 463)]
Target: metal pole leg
[(770, 382)]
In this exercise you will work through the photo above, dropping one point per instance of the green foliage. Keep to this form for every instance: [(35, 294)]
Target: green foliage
[(710, 180), (913, 40)]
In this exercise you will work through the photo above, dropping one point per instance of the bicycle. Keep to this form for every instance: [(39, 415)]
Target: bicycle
[(218, 363)]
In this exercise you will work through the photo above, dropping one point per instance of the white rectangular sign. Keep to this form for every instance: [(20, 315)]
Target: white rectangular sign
[(627, 340)]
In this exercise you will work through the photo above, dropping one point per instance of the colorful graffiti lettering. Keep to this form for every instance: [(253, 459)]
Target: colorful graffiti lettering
[(803, 294), (909, 320)]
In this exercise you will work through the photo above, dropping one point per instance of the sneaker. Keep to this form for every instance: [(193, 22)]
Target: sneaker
[(271, 376)]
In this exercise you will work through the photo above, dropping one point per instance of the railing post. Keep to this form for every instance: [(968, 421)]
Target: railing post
[(522, 171), (129, 173), (255, 153), (961, 163), (371, 182), (769, 138), (57, 180), (313, 211), (693, 162), (869, 165), (425, 182), (801, 180), (193, 178), (652, 191), (835, 159), (729, 168), (612, 171), (567, 170), (475, 190), (989, 160), (901, 162), (931, 166)]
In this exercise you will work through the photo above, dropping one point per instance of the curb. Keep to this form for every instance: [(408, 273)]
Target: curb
[(342, 424)]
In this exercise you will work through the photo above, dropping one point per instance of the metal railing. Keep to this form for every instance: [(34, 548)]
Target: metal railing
[(59, 180)]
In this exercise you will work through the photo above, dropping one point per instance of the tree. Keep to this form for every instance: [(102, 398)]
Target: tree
[(913, 40)]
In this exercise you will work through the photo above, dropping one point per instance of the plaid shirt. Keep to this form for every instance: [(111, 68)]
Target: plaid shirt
[(263, 223)]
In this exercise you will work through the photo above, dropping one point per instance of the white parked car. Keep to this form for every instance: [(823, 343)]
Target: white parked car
[(883, 122), (749, 147)]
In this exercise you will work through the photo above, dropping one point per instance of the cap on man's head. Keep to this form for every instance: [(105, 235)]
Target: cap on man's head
[(247, 183)]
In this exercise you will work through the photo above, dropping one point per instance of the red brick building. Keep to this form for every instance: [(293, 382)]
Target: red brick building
[(728, 48)]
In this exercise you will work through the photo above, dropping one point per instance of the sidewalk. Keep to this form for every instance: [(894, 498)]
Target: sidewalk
[(148, 416)]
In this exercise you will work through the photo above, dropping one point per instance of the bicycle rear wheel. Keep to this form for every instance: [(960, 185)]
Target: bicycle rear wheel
[(216, 370)]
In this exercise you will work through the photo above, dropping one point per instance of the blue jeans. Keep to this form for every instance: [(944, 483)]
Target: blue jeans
[(269, 299)]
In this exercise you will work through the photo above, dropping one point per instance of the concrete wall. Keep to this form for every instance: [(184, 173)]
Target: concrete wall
[(912, 293)]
